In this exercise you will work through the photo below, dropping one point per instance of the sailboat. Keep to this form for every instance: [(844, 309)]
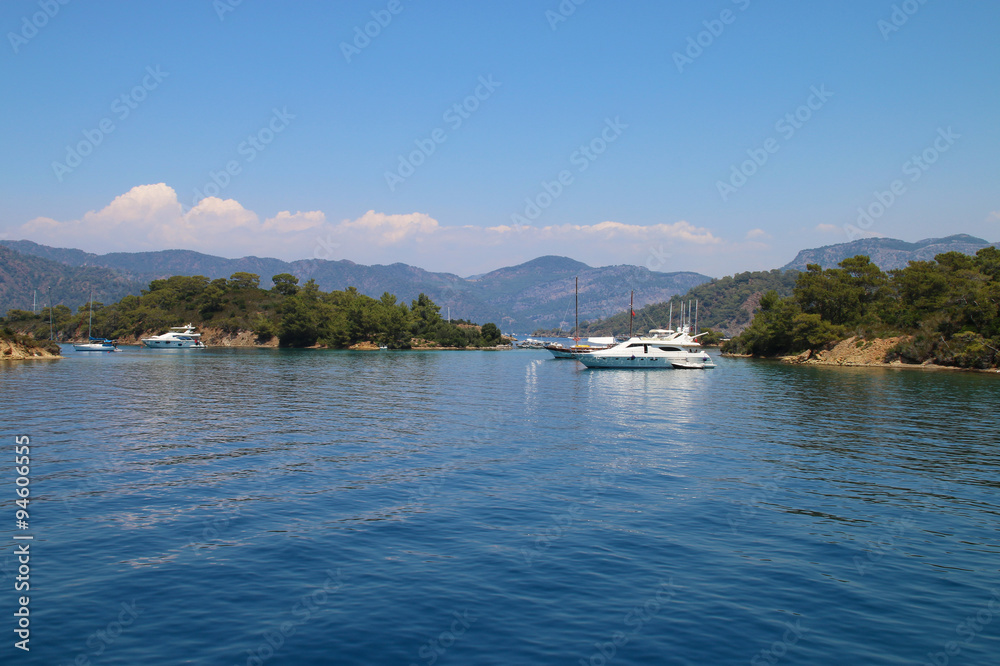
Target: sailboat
[(593, 344), (95, 344)]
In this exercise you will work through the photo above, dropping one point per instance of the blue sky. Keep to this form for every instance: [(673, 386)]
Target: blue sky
[(609, 133)]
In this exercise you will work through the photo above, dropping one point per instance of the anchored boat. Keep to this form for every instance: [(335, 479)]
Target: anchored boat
[(178, 337), (95, 344), (660, 349)]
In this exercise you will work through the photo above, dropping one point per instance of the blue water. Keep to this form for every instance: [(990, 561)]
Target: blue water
[(251, 507)]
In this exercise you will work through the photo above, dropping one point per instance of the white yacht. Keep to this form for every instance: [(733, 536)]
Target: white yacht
[(660, 348), (178, 337)]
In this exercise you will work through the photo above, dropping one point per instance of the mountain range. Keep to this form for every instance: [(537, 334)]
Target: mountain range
[(533, 295), (887, 253), (538, 293)]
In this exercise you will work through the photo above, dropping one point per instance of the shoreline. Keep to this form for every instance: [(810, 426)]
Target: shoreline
[(855, 352), (139, 345), (16, 351), (216, 337)]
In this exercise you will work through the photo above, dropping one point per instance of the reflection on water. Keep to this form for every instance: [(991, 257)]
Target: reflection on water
[(544, 498)]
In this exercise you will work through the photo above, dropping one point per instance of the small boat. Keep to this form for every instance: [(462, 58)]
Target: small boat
[(98, 345), (531, 343), (660, 349), (95, 344), (178, 337)]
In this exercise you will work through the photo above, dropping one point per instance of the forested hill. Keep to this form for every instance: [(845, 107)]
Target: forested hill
[(726, 305), (536, 293), (298, 315), (948, 309), (27, 281)]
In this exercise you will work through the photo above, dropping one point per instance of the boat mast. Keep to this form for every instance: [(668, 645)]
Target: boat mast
[(631, 313), (670, 321), (696, 316), (577, 338), (90, 326)]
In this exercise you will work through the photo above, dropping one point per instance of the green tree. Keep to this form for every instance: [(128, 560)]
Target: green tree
[(491, 334), (298, 326), (285, 284), (242, 280)]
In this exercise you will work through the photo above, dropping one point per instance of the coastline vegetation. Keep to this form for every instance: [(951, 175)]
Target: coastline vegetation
[(948, 309), (27, 342), (297, 315)]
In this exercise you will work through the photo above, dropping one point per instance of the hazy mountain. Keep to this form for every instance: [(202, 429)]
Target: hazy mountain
[(888, 253), (25, 279), (538, 293)]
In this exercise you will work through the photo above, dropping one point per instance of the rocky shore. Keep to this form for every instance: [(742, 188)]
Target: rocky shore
[(17, 351), (212, 337), (851, 352), (859, 352)]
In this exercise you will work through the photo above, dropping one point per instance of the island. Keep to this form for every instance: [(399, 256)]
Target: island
[(939, 313), (238, 312)]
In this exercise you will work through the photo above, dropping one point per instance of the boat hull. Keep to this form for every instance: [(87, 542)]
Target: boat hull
[(172, 344), (645, 362), (95, 347)]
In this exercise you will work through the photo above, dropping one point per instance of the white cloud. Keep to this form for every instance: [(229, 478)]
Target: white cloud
[(827, 228), (390, 229), (150, 217), (757, 233), (299, 221)]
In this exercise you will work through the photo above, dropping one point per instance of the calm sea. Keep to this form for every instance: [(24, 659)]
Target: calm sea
[(251, 507)]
